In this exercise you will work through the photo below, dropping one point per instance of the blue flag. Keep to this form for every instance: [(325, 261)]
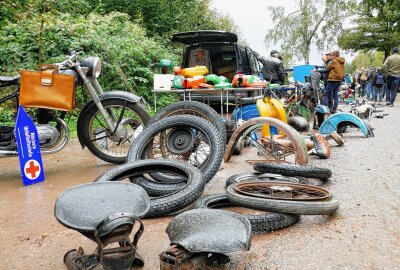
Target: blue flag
[(30, 159)]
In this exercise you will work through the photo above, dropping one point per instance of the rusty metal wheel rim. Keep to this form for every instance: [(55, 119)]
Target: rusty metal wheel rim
[(283, 191)]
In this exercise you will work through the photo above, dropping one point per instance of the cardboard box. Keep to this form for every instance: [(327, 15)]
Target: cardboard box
[(163, 81)]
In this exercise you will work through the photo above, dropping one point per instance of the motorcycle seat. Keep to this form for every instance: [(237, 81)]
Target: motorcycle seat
[(83, 207), (9, 80), (210, 230)]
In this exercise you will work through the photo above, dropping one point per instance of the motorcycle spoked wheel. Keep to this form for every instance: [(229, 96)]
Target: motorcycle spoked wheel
[(98, 137)]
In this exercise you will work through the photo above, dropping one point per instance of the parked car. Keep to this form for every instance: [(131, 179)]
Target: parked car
[(220, 52)]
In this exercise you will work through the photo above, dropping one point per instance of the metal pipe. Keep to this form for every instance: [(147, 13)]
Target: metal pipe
[(97, 86)]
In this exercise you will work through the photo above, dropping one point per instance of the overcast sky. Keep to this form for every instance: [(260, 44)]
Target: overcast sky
[(253, 18)]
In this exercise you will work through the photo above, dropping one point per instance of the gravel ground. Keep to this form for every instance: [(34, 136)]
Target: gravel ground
[(363, 234)]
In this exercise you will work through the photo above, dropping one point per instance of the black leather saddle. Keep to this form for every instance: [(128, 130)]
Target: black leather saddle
[(105, 213)]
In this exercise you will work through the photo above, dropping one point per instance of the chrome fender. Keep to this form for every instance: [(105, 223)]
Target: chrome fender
[(331, 124)]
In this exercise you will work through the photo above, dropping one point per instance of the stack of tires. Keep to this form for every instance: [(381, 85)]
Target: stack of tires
[(176, 155)]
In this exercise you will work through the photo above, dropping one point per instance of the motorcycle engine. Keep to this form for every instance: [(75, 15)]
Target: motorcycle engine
[(7, 138), (48, 135)]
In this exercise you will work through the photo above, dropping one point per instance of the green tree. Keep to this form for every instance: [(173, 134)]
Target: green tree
[(377, 58), (162, 18), (315, 22), (348, 68), (129, 36), (362, 60), (376, 27), (127, 53)]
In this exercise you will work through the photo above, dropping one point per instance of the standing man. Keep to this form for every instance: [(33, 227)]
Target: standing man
[(362, 80), (370, 87), (335, 77), (391, 68), (378, 83), (274, 71)]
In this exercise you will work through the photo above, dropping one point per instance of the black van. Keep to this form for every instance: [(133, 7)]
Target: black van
[(220, 53)]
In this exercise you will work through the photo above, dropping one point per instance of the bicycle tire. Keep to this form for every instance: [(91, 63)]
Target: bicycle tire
[(260, 223), (256, 176), (170, 203), (288, 169), (322, 207)]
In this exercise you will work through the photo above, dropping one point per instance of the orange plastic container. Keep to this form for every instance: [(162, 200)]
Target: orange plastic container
[(195, 71), (241, 80), (193, 82)]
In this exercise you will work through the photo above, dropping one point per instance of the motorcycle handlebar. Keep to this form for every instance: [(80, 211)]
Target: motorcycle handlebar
[(69, 59)]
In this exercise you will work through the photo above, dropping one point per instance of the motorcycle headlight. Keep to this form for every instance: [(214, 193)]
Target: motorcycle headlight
[(94, 65)]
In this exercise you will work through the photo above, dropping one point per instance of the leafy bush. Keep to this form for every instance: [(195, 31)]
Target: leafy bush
[(127, 54)]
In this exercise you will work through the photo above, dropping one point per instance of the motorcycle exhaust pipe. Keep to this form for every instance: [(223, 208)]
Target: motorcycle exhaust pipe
[(6, 153), (63, 144)]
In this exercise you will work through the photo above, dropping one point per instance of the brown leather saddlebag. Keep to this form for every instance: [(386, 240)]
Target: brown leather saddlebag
[(47, 88)]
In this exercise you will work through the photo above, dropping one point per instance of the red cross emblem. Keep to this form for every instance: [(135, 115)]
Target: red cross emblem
[(32, 169)]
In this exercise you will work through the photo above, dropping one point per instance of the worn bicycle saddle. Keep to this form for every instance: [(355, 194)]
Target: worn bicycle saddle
[(105, 213), (210, 230), (83, 207)]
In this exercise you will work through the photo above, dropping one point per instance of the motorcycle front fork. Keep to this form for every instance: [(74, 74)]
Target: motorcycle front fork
[(94, 93)]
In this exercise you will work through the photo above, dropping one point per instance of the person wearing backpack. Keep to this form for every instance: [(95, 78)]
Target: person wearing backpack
[(391, 68), (378, 82), (362, 80)]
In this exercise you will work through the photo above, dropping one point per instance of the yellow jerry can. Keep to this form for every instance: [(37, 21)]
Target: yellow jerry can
[(271, 107)]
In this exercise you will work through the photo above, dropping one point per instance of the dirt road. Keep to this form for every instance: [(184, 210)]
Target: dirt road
[(364, 234)]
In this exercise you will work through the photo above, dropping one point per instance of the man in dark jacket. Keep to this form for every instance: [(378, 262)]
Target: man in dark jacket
[(378, 82), (370, 87), (274, 71), (335, 77)]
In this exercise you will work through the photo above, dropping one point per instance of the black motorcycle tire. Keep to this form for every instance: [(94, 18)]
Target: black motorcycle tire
[(256, 176), (171, 203), (215, 157), (137, 108), (157, 188), (288, 169), (321, 207), (261, 223), (192, 108)]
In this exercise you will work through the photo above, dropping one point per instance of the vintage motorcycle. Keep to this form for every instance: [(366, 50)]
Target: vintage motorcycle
[(106, 125)]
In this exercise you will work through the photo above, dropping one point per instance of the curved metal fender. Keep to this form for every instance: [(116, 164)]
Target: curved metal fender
[(331, 123), (294, 136), (107, 95)]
